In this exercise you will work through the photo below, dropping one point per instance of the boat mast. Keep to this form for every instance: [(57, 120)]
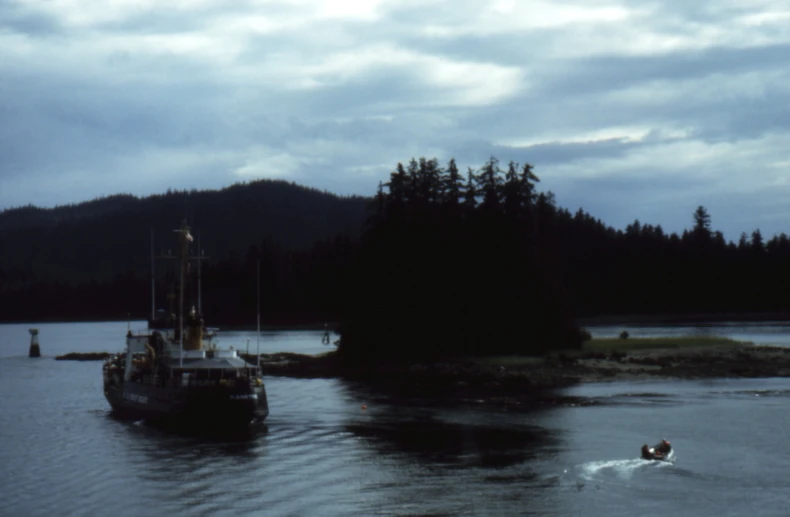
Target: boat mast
[(153, 283), (200, 255), (258, 337), (185, 239), (181, 310)]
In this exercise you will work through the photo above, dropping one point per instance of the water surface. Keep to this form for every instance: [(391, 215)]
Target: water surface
[(320, 453)]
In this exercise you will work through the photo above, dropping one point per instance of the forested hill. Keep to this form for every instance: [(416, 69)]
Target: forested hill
[(99, 239), (431, 246)]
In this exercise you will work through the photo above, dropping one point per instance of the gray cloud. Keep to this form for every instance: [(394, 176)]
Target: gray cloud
[(18, 19), (630, 109)]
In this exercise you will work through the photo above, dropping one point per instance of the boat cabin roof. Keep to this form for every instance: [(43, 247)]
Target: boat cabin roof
[(214, 363)]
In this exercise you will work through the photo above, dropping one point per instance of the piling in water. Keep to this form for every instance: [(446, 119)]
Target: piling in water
[(35, 350)]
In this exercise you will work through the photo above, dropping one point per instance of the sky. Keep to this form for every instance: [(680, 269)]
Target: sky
[(627, 109)]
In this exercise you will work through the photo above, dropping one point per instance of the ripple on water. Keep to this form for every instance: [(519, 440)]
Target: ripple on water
[(319, 454)]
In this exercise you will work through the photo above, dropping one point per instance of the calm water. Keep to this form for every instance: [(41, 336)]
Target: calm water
[(774, 333), (320, 454)]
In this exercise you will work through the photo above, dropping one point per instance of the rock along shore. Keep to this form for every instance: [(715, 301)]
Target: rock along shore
[(514, 377)]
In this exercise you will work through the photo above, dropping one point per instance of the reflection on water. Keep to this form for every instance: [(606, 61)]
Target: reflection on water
[(462, 444), (216, 441), (201, 472), (217, 433)]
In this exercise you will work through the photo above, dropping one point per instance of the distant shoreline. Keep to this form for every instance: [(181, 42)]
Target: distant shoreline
[(589, 321), (675, 319), (250, 327)]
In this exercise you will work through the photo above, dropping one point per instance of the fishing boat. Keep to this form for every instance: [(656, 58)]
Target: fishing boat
[(180, 376), (662, 451)]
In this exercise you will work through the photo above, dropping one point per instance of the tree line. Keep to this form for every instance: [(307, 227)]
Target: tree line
[(441, 260), (457, 263)]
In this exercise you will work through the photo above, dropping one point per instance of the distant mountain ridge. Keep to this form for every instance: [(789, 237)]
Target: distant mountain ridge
[(99, 239), (32, 216)]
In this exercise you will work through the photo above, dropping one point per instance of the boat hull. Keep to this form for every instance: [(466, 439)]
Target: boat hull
[(201, 407), (658, 454)]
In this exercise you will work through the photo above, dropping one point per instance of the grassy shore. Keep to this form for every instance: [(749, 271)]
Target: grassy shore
[(659, 343), (674, 319), (599, 360), (605, 347), (83, 356)]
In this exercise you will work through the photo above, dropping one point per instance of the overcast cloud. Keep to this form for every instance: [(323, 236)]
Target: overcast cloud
[(630, 109)]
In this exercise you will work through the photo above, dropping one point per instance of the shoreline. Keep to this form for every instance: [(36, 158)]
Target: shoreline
[(517, 380), (515, 376), (312, 326), (681, 319), (693, 363)]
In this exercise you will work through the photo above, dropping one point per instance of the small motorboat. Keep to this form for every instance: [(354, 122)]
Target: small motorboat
[(660, 452)]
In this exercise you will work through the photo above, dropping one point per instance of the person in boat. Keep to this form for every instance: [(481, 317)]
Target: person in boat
[(664, 447), (651, 454)]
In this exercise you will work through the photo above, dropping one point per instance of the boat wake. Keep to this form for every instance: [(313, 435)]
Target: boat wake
[(620, 468), (623, 469)]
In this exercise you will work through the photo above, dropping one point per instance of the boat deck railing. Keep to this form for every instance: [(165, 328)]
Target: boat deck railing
[(155, 380)]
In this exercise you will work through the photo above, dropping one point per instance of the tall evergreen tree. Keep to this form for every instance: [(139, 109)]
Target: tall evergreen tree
[(702, 224), (489, 183), (452, 187), (470, 192)]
